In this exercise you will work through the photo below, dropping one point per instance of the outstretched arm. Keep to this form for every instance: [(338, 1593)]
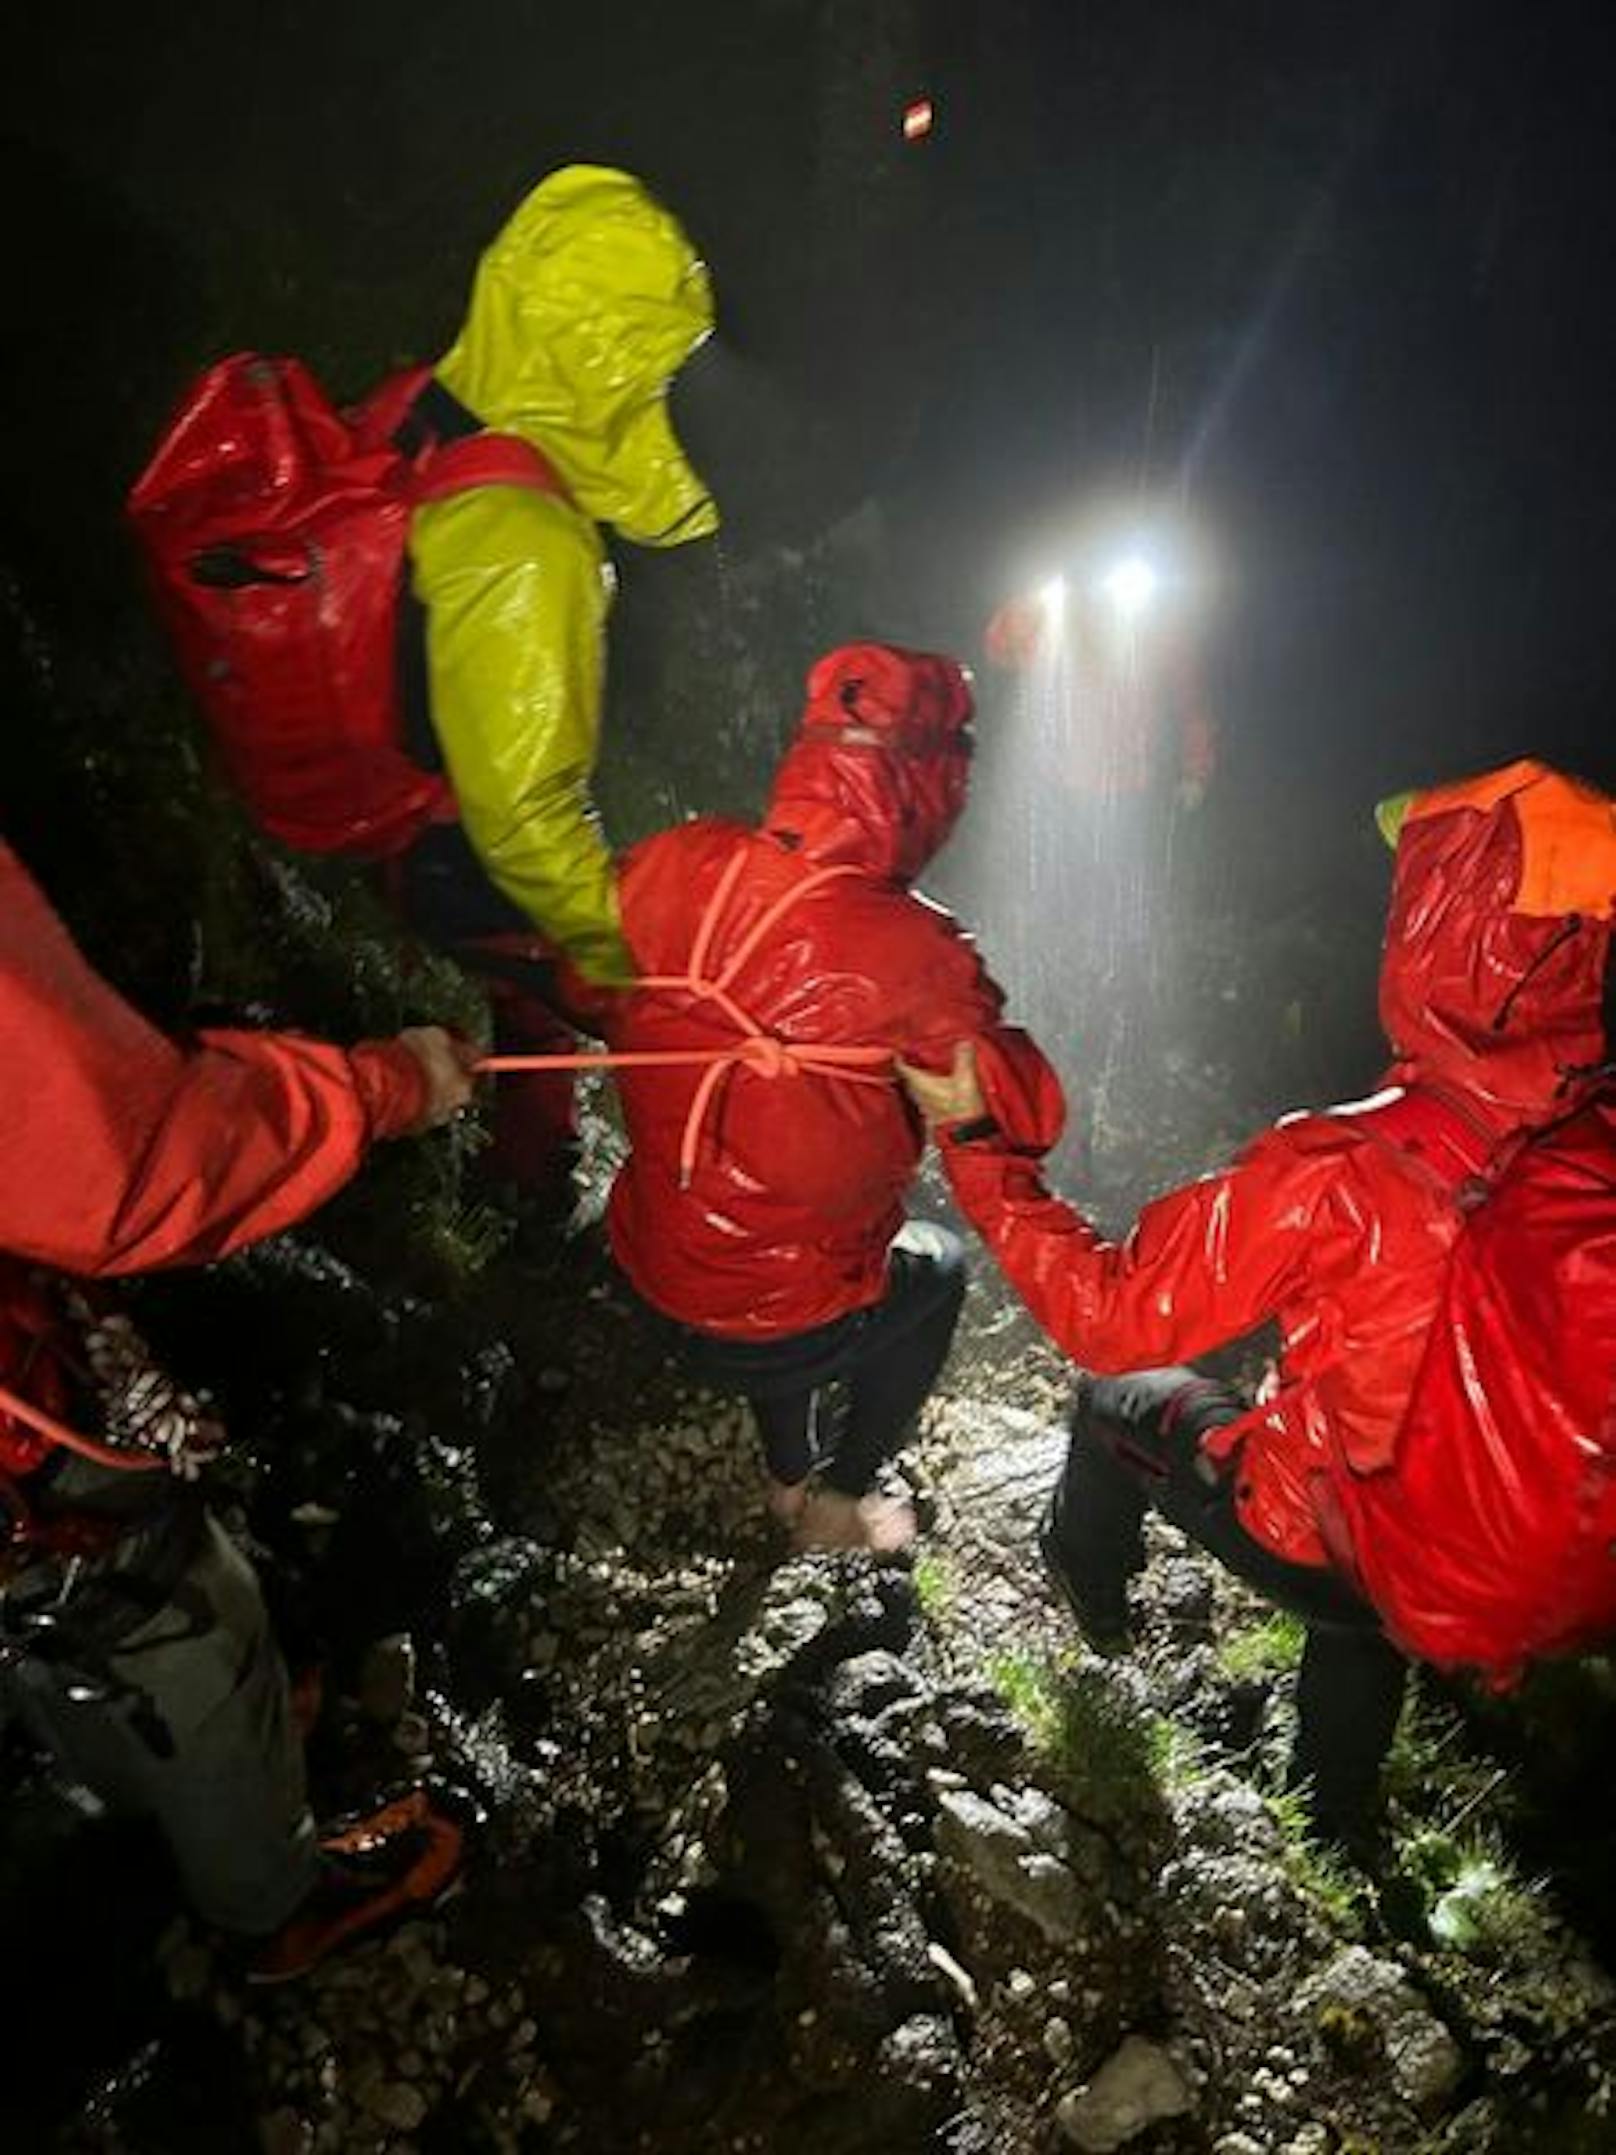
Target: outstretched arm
[(125, 1151), (1200, 1267)]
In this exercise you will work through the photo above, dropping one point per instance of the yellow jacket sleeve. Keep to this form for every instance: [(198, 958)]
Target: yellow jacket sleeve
[(515, 590)]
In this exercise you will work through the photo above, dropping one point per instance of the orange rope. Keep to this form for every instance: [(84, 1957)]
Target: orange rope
[(103, 1455), (761, 1052)]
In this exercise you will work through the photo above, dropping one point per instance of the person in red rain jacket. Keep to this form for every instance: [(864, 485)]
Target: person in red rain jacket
[(1495, 995), (133, 1638), (762, 1208)]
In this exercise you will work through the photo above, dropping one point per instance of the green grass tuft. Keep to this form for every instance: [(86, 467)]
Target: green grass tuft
[(1111, 1758), (934, 1584), (1325, 1877), (1266, 1648)]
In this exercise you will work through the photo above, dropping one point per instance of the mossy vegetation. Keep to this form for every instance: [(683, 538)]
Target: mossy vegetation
[(1269, 1647), (1322, 1873), (936, 1588), (1109, 1758)]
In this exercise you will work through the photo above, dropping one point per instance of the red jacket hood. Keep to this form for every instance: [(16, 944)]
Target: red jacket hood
[(878, 773), (1493, 984)]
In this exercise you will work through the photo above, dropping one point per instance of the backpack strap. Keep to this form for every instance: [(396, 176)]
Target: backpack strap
[(383, 420), (455, 467)]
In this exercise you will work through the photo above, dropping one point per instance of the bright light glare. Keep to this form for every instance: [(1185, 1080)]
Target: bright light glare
[(917, 119), (1130, 586), (1052, 597)]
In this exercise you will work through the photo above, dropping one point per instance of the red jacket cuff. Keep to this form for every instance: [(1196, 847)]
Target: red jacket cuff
[(392, 1086)]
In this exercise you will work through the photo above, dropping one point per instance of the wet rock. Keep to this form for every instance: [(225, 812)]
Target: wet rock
[(1057, 2040), (479, 1391), (490, 1594), (284, 2132), (1182, 1591), (1312, 2139), (1137, 2087), (314, 1517), (921, 2054), (1425, 2061), (1010, 1865), (398, 2105), (1226, 1718), (1244, 1903), (984, 1743), (1229, 1815)]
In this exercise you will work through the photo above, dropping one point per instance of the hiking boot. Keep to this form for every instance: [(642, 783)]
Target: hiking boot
[(1103, 1617), (397, 1862)]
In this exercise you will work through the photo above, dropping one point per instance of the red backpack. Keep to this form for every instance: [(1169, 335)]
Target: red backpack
[(275, 530), (1493, 1538)]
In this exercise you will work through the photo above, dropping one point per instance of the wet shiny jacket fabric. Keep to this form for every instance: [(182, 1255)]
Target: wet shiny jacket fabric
[(1340, 1225), (127, 1152), (582, 311), (799, 1180), (1491, 1543)]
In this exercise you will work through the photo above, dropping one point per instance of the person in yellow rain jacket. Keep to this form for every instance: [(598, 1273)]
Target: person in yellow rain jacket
[(582, 311)]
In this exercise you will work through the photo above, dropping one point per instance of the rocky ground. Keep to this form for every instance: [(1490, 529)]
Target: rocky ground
[(776, 1852), (810, 1853)]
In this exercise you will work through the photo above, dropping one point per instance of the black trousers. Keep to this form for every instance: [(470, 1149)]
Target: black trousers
[(1136, 1445), (841, 1398), (445, 896)]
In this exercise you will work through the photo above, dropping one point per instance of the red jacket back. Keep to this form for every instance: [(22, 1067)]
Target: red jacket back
[(799, 1180)]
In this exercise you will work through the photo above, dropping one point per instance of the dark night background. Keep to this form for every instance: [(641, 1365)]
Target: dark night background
[(1331, 283), (1334, 281), (1362, 252)]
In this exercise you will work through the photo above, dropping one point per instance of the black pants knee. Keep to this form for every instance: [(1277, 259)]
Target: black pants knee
[(1136, 1444), (842, 1397)]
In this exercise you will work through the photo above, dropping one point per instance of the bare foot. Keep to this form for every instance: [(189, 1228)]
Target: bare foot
[(829, 1520), (786, 1501)]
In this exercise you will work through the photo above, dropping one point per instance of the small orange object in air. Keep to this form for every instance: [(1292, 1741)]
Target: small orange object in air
[(917, 119)]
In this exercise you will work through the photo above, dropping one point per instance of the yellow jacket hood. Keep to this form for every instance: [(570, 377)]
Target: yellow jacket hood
[(582, 311)]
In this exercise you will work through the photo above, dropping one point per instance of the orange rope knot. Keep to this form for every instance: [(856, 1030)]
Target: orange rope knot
[(767, 1057), (760, 1052)]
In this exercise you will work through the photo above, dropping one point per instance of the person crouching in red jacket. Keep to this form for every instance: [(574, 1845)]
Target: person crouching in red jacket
[(1496, 995), (761, 1208), (133, 1637)]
